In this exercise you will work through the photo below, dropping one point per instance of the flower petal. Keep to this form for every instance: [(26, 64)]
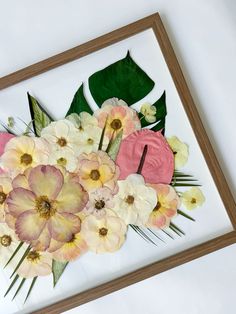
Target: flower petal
[(29, 225), (62, 226), (46, 180), (20, 200)]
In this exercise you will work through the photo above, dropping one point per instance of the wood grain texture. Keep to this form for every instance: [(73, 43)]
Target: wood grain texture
[(154, 22)]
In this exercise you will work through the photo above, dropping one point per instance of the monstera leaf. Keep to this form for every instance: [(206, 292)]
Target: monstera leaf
[(123, 79), (79, 103), (161, 113)]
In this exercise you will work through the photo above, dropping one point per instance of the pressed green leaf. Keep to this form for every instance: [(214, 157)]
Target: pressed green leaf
[(161, 113), (18, 289), (57, 270), (40, 118), (102, 136), (123, 79), (180, 212), (30, 288), (11, 285), (176, 228), (21, 260), (115, 146), (14, 253), (79, 103)]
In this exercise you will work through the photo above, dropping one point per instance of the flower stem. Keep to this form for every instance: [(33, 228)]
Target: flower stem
[(142, 160)]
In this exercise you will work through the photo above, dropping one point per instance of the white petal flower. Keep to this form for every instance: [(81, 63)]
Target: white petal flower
[(134, 201), (82, 120), (65, 158), (193, 198), (149, 112), (89, 139), (62, 134), (180, 151)]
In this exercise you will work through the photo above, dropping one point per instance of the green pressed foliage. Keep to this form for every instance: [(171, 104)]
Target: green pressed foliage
[(79, 103), (123, 79)]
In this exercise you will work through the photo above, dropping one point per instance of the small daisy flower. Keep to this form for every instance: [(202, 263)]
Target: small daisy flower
[(149, 112), (180, 151), (64, 158)]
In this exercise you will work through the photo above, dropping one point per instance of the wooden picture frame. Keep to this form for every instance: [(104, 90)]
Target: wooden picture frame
[(151, 22)]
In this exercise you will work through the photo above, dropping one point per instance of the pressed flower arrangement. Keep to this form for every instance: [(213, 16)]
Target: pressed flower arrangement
[(78, 184)]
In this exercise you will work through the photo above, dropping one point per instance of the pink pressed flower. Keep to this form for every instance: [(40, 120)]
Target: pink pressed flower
[(4, 138), (166, 208), (47, 209), (99, 200), (159, 162), (118, 117)]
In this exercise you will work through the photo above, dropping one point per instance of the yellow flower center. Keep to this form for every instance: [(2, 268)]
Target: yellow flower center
[(95, 175), (26, 159), (90, 141), (62, 162), (33, 256), (100, 204), (116, 124), (193, 201), (129, 199), (103, 232), (157, 207), (3, 197), (62, 142), (5, 240), (45, 207)]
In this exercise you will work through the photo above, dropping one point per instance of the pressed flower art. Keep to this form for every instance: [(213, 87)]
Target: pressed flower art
[(82, 183)]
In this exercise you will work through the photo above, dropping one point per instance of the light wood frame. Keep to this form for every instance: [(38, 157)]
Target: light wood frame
[(151, 22)]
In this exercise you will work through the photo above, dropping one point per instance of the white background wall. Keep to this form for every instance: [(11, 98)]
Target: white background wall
[(203, 34)]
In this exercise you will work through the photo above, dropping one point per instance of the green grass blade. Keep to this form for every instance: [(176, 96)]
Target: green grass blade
[(167, 233), (20, 286), (185, 184), (11, 285), (14, 253), (30, 288), (21, 260), (102, 136), (152, 232), (174, 230), (180, 212), (177, 228)]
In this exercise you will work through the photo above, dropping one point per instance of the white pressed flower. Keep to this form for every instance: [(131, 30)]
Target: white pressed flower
[(193, 198), (134, 201), (82, 120), (180, 151), (65, 158), (149, 112), (62, 134), (89, 139)]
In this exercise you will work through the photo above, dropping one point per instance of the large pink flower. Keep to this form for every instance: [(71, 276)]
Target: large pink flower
[(47, 209), (4, 138), (159, 162)]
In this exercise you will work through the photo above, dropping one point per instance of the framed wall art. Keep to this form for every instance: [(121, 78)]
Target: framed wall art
[(107, 174)]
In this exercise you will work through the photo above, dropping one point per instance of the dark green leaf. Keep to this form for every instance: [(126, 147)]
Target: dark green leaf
[(40, 118), (161, 113), (30, 288), (79, 103), (159, 126), (123, 79), (57, 270)]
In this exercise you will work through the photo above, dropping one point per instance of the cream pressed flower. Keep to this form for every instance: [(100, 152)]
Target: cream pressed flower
[(104, 235), (24, 152), (117, 116), (180, 151), (35, 264), (89, 139), (135, 200), (96, 170), (8, 243), (64, 158), (166, 207), (62, 134), (82, 120), (193, 198), (5, 189), (149, 112)]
